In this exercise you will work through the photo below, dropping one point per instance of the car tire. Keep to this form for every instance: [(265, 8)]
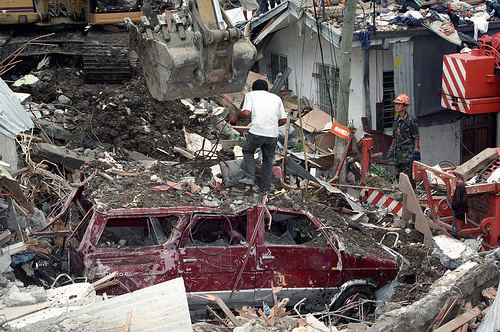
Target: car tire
[(350, 295)]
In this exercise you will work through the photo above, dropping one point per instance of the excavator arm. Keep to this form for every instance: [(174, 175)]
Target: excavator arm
[(190, 49)]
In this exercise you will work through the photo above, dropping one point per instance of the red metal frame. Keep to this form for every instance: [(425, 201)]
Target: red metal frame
[(488, 227)]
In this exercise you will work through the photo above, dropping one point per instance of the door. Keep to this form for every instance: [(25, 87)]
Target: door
[(293, 253), (212, 251), (140, 249), (478, 133)]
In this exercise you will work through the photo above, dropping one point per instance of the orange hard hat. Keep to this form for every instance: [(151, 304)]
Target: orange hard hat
[(402, 99)]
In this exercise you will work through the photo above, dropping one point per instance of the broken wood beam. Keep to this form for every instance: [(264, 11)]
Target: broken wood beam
[(477, 163), (458, 321), (225, 308), (59, 155), (184, 153)]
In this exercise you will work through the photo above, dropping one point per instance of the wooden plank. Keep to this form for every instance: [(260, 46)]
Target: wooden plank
[(226, 310), (459, 320), (422, 223), (184, 152), (476, 164)]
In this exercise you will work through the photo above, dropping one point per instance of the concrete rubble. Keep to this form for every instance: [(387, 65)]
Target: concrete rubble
[(102, 148)]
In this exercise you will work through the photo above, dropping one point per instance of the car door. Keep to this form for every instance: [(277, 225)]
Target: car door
[(140, 249), (212, 252), (294, 254)]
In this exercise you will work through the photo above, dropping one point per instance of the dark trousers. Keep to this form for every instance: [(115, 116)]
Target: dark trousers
[(267, 146), (404, 168)]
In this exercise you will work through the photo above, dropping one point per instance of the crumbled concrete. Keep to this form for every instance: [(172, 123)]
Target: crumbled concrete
[(16, 298), (451, 252), (466, 282), (64, 99)]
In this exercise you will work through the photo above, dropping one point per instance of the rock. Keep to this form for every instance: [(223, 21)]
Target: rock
[(384, 307), (5, 261), (205, 190), (3, 281), (463, 282), (16, 298), (26, 80), (22, 97), (232, 171), (38, 293), (35, 114), (451, 252), (244, 328), (90, 154), (211, 203), (155, 178), (64, 100)]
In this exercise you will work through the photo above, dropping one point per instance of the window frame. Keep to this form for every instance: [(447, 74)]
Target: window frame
[(170, 238), (282, 65), (332, 81)]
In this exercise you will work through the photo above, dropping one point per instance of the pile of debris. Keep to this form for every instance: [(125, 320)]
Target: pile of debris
[(112, 148), (443, 18)]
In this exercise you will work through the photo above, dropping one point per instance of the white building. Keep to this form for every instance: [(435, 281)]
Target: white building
[(408, 61)]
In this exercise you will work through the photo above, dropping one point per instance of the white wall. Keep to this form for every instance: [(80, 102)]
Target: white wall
[(303, 53), (441, 142)]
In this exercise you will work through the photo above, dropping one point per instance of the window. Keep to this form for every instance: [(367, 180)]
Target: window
[(137, 232), (279, 63), (217, 231), (388, 97), (323, 85), (291, 229)]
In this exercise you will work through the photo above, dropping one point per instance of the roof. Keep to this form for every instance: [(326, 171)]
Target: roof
[(330, 27), (13, 117)]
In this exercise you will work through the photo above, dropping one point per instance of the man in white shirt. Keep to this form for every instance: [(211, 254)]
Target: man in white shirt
[(267, 113)]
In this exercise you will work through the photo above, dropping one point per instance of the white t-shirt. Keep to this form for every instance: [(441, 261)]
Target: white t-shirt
[(267, 108)]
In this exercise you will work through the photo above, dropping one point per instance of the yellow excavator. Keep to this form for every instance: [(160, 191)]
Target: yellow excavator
[(189, 48), (85, 28)]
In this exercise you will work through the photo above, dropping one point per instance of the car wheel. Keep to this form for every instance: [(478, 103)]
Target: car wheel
[(356, 302)]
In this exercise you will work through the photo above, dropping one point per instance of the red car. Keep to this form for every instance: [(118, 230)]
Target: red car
[(238, 256)]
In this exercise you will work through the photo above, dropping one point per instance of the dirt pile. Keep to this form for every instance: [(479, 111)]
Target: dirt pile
[(122, 115)]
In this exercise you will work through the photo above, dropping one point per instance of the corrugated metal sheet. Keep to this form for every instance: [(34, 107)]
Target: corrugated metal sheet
[(13, 117), (403, 70)]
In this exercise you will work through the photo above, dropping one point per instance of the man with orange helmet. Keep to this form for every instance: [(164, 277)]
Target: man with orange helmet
[(405, 146)]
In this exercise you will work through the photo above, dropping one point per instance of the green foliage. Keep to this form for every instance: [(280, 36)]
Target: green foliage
[(381, 172), (298, 147)]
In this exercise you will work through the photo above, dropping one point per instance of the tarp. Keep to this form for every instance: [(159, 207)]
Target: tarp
[(13, 117)]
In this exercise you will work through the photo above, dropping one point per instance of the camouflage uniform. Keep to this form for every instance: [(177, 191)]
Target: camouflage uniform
[(404, 131)]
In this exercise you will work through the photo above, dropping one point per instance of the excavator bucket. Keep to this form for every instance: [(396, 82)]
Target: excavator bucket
[(184, 56)]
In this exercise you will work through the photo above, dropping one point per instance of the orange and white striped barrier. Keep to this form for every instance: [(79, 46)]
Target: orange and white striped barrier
[(381, 200)]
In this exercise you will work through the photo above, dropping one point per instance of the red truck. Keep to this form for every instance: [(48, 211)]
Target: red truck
[(238, 256)]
